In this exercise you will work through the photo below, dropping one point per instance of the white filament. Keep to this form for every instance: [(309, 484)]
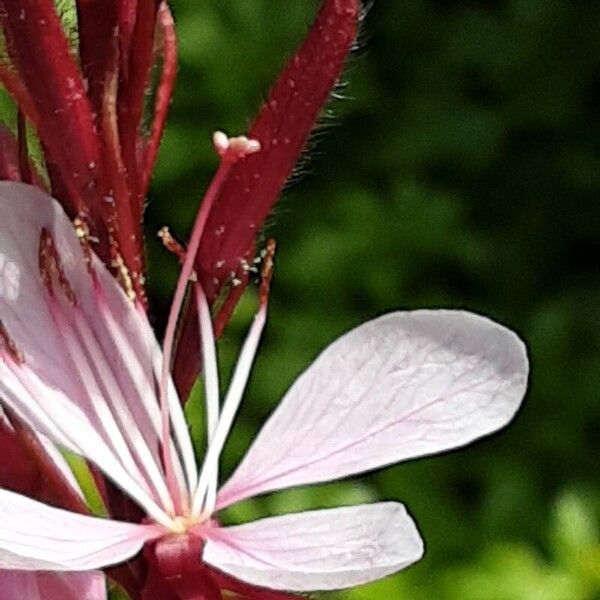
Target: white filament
[(230, 407), (211, 381)]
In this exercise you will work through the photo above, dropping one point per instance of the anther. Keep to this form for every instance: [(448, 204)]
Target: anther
[(82, 231), (9, 345), (123, 274), (173, 246), (267, 272), (51, 270), (234, 148)]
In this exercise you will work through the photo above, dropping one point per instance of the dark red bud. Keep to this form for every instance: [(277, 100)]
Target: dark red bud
[(282, 128), (98, 46), (57, 92)]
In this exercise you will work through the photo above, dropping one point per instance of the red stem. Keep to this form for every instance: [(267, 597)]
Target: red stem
[(16, 88), (24, 164)]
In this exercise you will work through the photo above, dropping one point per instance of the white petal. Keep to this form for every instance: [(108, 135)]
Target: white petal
[(405, 385), (35, 536), (318, 550), (25, 585)]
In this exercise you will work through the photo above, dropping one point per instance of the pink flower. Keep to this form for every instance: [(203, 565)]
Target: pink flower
[(60, 586), (93, 94), (79, 365)]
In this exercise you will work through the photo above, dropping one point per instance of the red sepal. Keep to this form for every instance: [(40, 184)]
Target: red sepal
[(102, 173), (176, 565), (282, 128), (246, 591), (253, 186), (16, 88), (176, 572), (98, 46)]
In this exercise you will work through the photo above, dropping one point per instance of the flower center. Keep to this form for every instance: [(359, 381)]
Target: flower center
[(183, 524)]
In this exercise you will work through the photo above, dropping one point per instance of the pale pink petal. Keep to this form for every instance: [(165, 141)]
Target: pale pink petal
[(88, 378), (405, 385), (38, 537), (318, 550), (38, 585), (58, 418)]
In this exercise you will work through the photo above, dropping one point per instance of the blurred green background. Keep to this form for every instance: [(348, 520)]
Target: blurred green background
[(462, 169)]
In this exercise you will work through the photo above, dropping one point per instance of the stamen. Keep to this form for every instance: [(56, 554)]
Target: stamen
[(182, 446), (138, 376), (232, 149), (171, 244), (211, 378), (51, 269), (200, 507), (267, 272), (9, 345), (228, 161), (26, 388)]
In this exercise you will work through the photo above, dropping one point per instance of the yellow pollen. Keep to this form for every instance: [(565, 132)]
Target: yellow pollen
[(182, 524)]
